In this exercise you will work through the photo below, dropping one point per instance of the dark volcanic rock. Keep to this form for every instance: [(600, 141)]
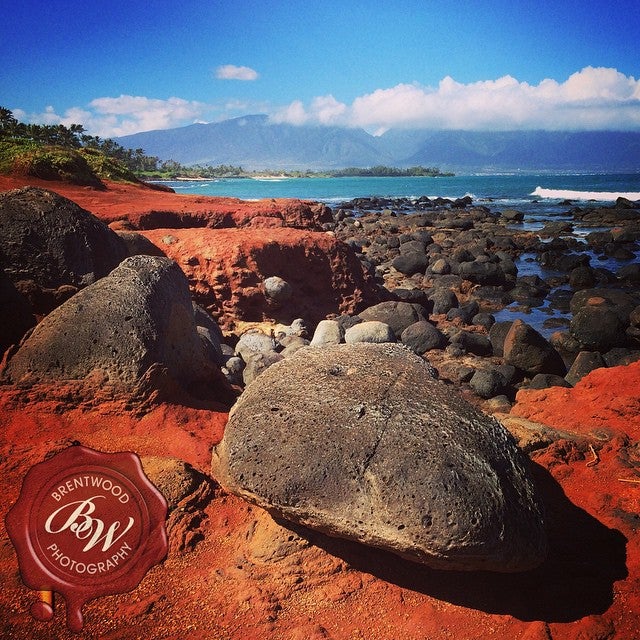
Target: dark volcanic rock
[(497, 335), (395, 460), (487, 383), (17, 317), (411, 263), (422, 336), (585, 362), (598, 327), (52, 241), (527, 350), (398, 315), (485, 273), (443, 300), (116, 329), (473, 342), (546, 380)]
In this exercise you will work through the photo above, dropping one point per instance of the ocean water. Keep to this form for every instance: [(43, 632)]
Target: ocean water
[(500, 190), (542, 197)]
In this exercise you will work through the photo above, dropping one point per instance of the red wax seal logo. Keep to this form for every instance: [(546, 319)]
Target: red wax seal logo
[(86, 524)]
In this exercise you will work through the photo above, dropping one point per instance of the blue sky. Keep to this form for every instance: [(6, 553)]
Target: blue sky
[(120, 67)]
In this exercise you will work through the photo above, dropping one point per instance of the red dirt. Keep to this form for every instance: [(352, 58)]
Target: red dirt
[(226, 268), (145, 208), (250, 578)]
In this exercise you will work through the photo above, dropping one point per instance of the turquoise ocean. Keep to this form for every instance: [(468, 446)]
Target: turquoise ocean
[(542, 197), (503, 190)]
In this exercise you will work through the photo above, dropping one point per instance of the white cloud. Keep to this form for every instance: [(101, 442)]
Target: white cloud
[(112, 117), (233, 72), (593, 98)]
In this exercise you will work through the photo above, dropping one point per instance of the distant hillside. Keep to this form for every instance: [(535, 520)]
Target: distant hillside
[(254, 143)]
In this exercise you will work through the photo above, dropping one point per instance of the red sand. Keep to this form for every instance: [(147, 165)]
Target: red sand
[(249, 578)]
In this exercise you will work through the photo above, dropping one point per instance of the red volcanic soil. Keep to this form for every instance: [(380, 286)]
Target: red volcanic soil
[(146, 208), (246, 577), (226, 269)]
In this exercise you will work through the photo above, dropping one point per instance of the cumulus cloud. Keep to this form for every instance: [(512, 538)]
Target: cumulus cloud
[(233, 72), (123, 115), (593, 98)]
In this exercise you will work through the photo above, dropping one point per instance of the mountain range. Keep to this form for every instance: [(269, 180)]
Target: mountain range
[(255, 143)]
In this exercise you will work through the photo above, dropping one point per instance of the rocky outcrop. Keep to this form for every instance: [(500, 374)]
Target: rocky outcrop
[(51, 241), (138, 319), (362, 442), (227, 270)]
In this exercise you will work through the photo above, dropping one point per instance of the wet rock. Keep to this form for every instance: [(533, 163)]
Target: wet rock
[(370, 331), (511, 215), (527, 350), (422, 336), (582, 277), (398, 315), (396, 460), (484, 273), (619, 301), (630, 274), (138, 317), (52, 241)]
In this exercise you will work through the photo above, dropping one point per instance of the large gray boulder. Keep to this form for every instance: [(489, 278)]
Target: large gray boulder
[(116, 329), (362, 442), (52, 241)]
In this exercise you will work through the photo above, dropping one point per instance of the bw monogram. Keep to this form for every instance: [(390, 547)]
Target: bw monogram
[(86, 524)]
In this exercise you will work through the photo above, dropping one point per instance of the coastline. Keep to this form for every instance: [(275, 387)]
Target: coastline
[(234, 571)]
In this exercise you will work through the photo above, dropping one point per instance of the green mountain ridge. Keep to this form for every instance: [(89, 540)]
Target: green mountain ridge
[(255, 143)]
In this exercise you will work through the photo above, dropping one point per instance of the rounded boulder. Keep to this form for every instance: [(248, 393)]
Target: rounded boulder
[(116, 329), (363, 442)]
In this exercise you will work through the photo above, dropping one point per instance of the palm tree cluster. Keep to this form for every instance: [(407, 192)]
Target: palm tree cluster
[(73, 136)]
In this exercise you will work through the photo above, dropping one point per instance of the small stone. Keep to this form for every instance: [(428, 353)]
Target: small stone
[(277, 290), (370, 331)]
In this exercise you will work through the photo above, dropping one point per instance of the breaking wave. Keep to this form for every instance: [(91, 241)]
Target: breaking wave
[(604, 196)]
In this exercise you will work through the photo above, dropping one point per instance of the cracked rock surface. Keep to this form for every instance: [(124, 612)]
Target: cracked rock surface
[(362, 442)]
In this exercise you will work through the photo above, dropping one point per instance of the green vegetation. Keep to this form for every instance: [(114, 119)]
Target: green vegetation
[(171, 170), (58, 152), (381, 171)]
